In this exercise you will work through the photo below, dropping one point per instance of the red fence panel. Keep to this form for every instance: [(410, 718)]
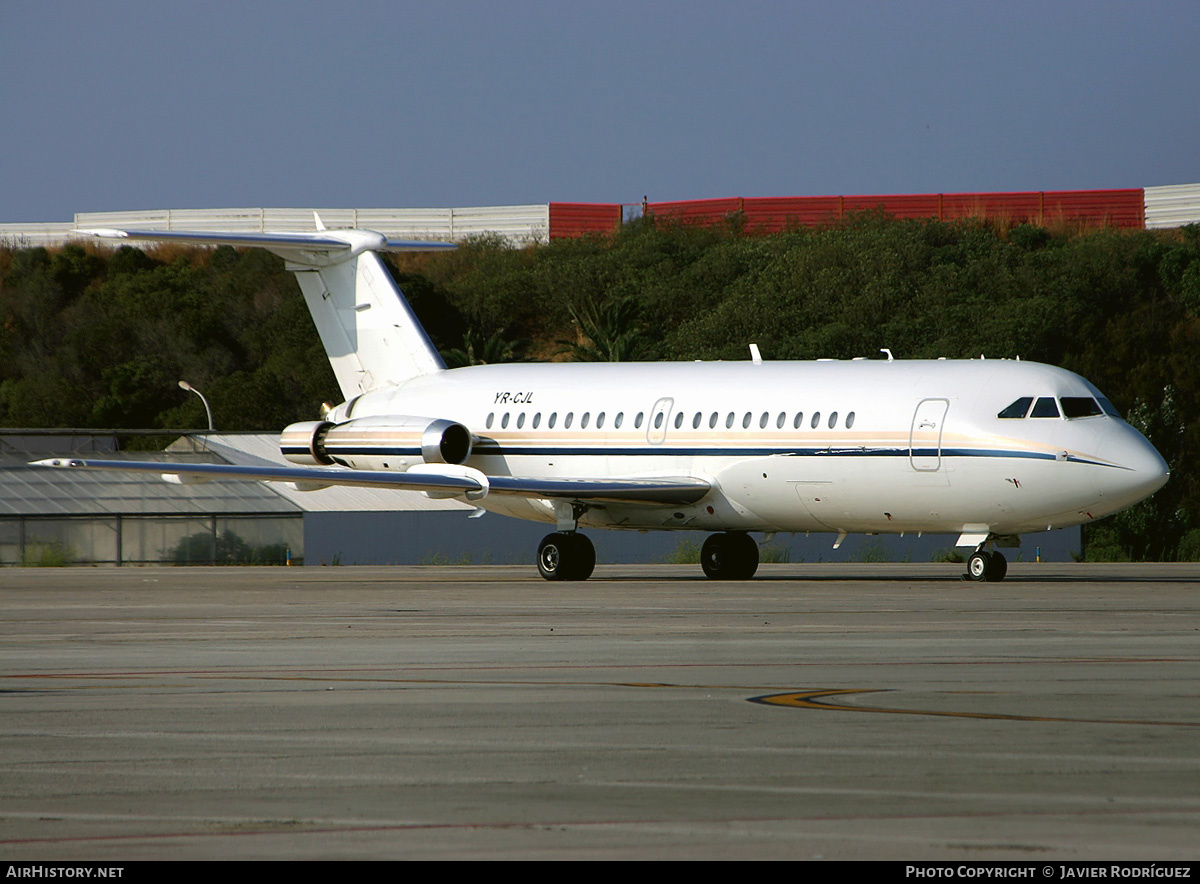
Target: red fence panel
[(899, 205), (773, 214), (582, 219), (696, 211), (1117, 208), (1014, 208)]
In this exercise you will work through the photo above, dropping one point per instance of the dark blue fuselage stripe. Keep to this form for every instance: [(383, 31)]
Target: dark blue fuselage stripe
[(495, 450)]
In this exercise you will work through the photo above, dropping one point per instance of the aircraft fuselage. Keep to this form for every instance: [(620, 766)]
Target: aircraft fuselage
[(843, 446)]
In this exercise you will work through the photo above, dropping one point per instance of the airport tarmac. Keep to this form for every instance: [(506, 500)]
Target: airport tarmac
[(845, 711)]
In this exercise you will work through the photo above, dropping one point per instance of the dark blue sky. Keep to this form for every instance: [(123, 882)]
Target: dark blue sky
[(138, 105)]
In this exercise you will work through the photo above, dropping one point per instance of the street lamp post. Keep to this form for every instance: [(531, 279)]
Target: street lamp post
[(184, 385)]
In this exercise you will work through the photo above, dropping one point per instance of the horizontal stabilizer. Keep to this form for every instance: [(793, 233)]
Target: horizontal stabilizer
[(317, 241)]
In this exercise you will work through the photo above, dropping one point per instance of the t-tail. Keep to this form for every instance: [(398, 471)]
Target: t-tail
[(370, 333)]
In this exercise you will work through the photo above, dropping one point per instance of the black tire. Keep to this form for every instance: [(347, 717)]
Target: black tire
[(747, 555), (731, 556), (584, 555), (979, 564), (566, 556), (997, 568)]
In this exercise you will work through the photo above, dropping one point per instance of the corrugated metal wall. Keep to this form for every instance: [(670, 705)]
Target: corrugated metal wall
[(518, 225), (1172, 206), (583, 219), (1116, 208)]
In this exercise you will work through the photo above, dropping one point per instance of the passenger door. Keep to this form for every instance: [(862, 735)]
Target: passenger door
[(656, 427), (925, 435)]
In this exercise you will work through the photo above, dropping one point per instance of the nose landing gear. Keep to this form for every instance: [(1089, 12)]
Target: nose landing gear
[(986, 565)]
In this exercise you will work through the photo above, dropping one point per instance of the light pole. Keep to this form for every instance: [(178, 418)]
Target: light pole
[(184, 385)]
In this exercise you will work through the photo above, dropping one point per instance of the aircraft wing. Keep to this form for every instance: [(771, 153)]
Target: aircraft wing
[(316, 240), (438, 479)]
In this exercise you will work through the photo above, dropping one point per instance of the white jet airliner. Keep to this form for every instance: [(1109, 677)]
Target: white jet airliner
[(985, 449)]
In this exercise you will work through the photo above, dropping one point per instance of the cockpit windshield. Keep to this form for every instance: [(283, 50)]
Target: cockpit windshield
[(1018, 409), (1072, 407), (1080, 406)]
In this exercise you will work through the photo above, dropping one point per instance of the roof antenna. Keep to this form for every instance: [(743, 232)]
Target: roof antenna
[(755, 356), (888, 352), (317, 220)]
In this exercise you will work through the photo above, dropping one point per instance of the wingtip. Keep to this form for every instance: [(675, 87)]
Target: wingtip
[(104, 232)]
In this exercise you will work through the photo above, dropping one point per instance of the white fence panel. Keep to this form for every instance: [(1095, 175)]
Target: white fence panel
[(24, 236), (429, 224), (1172, 206), (298, 220), (158, 220), (519, 225)]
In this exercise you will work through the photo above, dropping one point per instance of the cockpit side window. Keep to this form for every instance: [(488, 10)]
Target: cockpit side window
[(1045, 407), (1079, 406), (1108, 407), (1018, 409)]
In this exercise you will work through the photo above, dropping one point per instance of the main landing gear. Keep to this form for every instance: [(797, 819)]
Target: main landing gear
[(988, 565), (730, 556), (566, 555), (569, 555)]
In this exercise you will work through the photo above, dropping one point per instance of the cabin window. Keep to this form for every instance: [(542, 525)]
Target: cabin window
[(637, 421), (779, 421), (678, 420), (618, 420), (504, 421), (798, 421), (1018, 409), (729, 420), (712, 420), (658, 421), (490, 419), (553, 420), (849, 420), (1079, 406), (746, 421), (567, 420), (696, 421), (832, 420), (816, 420), (537, 419), (520, 420), (1045, 407), (587, 416), (762, 421), (600, 420)]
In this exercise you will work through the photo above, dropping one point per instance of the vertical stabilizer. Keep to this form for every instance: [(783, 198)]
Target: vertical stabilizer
[(369, 331)]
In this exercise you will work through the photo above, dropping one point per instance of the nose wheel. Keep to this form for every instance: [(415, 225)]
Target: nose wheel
[(987, 565), (730, 556), (566, 555)]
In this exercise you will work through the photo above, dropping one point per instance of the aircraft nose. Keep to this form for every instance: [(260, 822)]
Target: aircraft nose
[(1139, 469)]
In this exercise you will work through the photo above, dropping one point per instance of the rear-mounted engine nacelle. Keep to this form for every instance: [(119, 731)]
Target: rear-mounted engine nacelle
[(394, 442)]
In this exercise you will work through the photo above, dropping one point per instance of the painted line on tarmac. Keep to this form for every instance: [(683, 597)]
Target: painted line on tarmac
[(816, 700)]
